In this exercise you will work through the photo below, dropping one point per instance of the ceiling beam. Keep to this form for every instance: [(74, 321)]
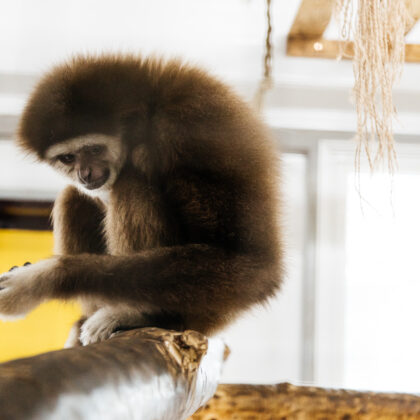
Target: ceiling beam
[(312, 18), (413, 8), (326, 48)]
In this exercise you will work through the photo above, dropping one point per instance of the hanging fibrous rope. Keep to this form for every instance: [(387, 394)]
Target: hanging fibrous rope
[(377, 29), (266, 82), (378, 37)]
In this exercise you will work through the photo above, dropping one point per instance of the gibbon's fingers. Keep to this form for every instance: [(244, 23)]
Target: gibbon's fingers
[(16, 266), (21, 290)]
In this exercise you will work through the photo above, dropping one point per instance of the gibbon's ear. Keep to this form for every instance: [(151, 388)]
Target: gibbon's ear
[(135, 134), (150, 150), (134, 124), (141, 159)]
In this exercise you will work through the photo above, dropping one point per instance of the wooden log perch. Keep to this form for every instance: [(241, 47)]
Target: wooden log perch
[(165, 375), (289, 402), (140, 374)]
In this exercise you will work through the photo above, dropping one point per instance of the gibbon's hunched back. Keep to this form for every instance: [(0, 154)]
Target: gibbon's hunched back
[(173, 219)]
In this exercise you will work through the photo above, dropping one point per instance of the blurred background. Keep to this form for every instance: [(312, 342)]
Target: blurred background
[(349, 311)]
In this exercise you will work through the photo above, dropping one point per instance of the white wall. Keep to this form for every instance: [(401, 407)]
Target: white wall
[(219, 34), (226, 37)]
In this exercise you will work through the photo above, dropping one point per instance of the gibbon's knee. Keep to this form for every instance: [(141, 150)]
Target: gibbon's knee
[(78, 223)]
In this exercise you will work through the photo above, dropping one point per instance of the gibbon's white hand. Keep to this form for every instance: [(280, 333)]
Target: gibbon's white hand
[(21, 289)]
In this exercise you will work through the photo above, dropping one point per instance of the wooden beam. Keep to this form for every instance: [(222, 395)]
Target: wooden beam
[(413, 8), (412, 53), (326, 48), (285, 401), (318, 48), (305, 37), (312, 19)]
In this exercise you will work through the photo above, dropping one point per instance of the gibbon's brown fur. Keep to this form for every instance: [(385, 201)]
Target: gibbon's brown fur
[(188, 237)]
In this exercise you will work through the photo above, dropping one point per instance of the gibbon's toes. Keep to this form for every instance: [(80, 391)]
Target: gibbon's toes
[(99, 327), (95, 334), (73, 339)]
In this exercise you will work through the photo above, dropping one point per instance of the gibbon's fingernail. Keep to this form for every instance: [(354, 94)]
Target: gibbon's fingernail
[(15, 266), (27, 263)]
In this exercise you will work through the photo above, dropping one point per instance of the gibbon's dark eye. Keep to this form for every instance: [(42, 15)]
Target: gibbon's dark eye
[(96, 150), (66, 159)]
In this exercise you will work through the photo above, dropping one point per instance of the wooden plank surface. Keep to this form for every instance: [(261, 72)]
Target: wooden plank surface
[(287, 402)]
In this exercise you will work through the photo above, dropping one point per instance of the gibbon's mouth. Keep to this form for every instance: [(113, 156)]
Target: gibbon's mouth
[(98, 182)]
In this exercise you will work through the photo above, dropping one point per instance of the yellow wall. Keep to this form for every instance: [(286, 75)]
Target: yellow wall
[(47, 327)]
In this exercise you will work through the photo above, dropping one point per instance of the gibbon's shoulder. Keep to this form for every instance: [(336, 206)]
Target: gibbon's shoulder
[(93, 93)]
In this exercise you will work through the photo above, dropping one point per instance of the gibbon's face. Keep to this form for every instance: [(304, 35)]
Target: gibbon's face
[(92, 162)]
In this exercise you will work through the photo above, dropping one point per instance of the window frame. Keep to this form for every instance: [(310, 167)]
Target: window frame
[(322, 330)]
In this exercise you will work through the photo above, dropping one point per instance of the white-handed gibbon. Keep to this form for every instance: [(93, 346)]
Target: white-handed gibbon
[(172, 218)]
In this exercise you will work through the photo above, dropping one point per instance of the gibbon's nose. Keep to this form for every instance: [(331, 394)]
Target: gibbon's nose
[(93, 176), (85, 175)]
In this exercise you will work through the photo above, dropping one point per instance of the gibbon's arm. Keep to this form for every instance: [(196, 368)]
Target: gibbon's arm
[(201, 283)]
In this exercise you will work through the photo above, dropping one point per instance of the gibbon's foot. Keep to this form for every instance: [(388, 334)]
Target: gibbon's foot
[(106, 321), (20, 289), (73, 339)]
